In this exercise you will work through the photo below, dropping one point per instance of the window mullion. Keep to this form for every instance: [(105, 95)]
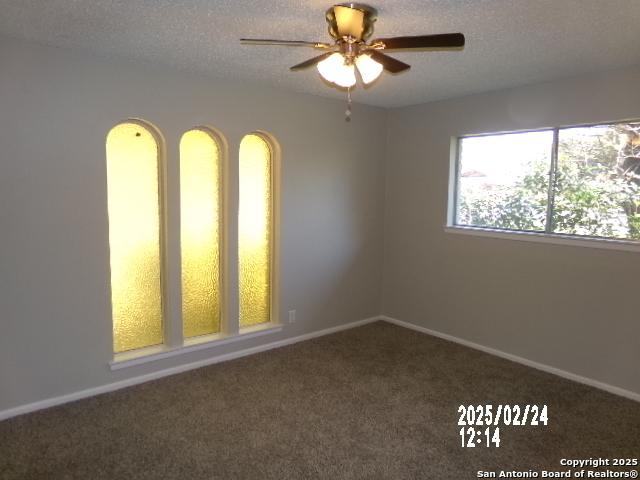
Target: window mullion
[(548, 228), (172, 292)]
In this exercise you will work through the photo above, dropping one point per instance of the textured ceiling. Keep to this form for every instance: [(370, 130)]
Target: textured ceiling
[(509, 42)]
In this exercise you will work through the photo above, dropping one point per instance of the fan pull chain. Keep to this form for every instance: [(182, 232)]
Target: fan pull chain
[(347, 114)]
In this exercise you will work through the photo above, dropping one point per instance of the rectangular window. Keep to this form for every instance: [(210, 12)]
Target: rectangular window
[(579, 181)]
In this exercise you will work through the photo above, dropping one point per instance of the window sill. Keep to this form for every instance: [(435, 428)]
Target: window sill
[(552, 238), (159, 352)]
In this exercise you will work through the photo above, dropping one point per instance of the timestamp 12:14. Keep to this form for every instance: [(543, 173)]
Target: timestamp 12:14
[(470, 437)]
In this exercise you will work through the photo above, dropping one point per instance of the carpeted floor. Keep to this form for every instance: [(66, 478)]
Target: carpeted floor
[(378, 401)]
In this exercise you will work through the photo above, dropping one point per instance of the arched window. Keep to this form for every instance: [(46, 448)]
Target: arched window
[(134, 236), (200, 159), (255, 230)]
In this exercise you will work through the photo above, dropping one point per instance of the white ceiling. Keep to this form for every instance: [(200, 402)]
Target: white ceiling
[(509, 42)]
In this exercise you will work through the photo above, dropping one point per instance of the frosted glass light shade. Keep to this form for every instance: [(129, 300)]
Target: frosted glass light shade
[(134, 237), (369, 69), (254, 231), (200, 232), (335, 70)]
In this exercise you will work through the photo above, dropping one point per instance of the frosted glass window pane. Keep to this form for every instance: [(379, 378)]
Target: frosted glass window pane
[(254, 234), (134, 237), (199, 234)]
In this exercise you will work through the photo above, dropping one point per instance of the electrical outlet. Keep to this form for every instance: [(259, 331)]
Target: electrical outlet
[(292, 316)]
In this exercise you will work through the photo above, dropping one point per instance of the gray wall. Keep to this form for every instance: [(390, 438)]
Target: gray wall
[(56, 108), (569, 307), (572, 308)]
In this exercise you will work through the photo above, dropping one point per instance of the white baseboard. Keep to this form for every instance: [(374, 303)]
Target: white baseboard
[(110, 387), (514, 358)]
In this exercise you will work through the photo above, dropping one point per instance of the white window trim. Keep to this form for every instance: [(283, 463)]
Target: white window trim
[(175, 344), (159, 352), (549, 238), (520, 235)]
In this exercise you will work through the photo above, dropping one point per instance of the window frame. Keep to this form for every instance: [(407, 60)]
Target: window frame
[(221, 143), (174, 343), (274, 230), (161, 163), (546, 236)]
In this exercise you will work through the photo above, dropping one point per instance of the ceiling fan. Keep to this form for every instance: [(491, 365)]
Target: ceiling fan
[(351, 25)]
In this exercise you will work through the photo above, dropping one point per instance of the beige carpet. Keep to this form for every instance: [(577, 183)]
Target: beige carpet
[(378, 401)]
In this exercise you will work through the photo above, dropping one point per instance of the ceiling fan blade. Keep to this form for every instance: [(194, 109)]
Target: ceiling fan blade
[(311, 61), (444, 40), (390, 64), (286, 43)]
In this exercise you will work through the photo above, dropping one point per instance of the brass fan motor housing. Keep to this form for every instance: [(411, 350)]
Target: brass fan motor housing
[(351, 22), (351, 25)]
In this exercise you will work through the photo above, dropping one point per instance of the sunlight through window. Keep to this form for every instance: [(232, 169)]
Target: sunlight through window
[(134, 236), (255, 219), (200, 232)]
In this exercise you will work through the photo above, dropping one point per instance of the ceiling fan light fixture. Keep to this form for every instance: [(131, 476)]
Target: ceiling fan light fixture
[(334, 69), (369, 69), (351, 26)]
